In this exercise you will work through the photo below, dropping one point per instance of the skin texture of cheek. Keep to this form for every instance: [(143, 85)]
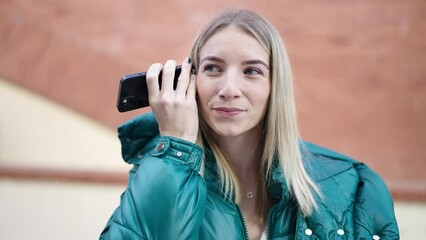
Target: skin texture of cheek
[(254, 99)]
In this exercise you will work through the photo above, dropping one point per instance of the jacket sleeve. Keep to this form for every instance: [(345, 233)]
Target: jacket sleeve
[(373, 211), (165, 197)]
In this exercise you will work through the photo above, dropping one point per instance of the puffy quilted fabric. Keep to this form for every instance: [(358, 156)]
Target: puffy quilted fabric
[(167, 198)]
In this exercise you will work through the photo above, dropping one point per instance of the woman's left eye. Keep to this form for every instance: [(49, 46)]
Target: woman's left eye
[(252, 71)]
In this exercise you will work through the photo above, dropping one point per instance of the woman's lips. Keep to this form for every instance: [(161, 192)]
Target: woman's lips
[(228, 112)]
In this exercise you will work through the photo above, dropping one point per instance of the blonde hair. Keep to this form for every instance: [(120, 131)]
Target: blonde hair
[(281, 136)]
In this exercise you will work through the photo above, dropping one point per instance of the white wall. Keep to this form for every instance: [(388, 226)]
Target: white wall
[(35, 132), (40, 210)]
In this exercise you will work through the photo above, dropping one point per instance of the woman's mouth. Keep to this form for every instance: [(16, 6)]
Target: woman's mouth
[(227, 111)]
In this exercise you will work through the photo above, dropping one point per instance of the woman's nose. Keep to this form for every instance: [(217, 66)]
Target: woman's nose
[(229, 86)]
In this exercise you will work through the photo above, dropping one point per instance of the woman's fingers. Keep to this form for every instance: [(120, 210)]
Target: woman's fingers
[(185, 88), (168, 76), (175, 110), (184, 78), (190, 93), (152, 81)]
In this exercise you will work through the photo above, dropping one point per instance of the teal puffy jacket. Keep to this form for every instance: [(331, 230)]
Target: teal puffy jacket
[(167, 198)]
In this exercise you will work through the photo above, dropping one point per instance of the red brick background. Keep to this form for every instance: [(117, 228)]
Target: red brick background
[(359, 65)]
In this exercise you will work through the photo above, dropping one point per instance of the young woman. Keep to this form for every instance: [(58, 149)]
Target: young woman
[(220, 156)]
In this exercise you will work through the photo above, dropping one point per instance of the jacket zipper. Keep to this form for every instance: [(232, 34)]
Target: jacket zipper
[(268, 223), (243, 220), (268, 230), (269, 220)]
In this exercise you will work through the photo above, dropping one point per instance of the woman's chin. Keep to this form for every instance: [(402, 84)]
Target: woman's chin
[(226, 132)]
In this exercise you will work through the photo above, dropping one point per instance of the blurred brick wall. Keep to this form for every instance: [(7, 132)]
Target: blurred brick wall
[(359, 65)]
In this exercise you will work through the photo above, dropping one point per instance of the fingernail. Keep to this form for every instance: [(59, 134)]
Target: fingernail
[(193, 70), (188, 60)]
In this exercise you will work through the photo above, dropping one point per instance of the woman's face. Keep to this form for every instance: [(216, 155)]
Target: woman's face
[(233, 83)]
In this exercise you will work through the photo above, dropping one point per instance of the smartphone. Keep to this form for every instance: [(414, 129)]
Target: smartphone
[(133, 91)]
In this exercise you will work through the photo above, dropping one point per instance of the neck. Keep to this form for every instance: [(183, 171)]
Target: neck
[(244, 154)]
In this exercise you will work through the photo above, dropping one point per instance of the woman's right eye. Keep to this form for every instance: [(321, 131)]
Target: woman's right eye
[(211, 68)]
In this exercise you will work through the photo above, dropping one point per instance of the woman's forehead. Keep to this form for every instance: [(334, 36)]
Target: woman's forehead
[(233, 41)]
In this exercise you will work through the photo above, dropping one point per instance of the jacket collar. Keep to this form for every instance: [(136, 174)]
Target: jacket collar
[(277, 185), (319, 163)]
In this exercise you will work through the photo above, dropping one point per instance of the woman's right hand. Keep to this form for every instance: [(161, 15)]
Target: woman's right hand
[(175, 110)]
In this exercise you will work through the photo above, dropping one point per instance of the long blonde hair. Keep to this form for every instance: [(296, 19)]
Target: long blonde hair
[(281, 134)]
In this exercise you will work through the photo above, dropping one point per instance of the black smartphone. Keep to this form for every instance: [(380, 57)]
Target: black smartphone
[(133, 91)]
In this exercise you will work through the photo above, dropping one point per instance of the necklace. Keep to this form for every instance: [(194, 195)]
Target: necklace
[(250, 195)]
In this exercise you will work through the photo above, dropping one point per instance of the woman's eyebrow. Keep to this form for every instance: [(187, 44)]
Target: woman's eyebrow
[(217, 59), (212, 58), (256, 61)]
